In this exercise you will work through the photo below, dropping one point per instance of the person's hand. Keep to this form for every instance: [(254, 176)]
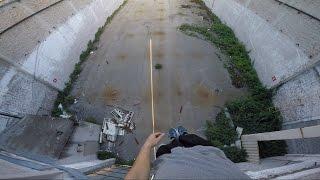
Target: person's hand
[(153, 139)]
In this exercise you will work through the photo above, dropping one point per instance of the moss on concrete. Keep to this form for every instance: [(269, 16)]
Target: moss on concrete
[(255, 112), (64, 96)]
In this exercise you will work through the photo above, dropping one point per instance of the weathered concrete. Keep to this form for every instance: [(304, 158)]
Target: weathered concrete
[(37, 136), (87, 167), (309, 6), (284, 44), (190, 88), (250, 141), (82, 145), (38, 55), (282, 41), (289, 166)]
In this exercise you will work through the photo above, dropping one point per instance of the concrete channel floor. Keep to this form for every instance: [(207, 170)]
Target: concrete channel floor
[(191, 87)]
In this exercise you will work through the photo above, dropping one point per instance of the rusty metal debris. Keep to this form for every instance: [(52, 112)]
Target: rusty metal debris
[(118, 125)]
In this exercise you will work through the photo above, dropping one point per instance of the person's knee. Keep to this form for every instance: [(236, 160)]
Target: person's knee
[(190, 140), (163, 149)]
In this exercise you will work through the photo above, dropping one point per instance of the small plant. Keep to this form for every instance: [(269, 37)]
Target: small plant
[(235, 154), (255, 112), (221, 126), (120, 161), (221, 135), (158, 66), (103, 155)]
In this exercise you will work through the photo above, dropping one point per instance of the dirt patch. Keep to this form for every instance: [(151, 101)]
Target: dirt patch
[(178, 91), (111, 94), (161, 10)]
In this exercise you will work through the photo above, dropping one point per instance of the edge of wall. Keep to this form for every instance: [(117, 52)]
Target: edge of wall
[(30, 86), (266, 44)]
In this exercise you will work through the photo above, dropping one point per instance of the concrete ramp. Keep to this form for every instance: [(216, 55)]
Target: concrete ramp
[(37, 136)]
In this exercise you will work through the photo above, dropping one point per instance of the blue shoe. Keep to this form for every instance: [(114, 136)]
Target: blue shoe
[(173, 133), (182, 130)]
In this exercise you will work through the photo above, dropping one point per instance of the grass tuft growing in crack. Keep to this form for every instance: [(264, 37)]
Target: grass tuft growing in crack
[(64, 96), (255, 112)]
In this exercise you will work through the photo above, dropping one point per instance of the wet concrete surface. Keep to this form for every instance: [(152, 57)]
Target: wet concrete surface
[(191, 87)]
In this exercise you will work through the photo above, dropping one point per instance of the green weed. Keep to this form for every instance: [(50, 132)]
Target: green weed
[(158, 66), (256, 112), (64, 96)]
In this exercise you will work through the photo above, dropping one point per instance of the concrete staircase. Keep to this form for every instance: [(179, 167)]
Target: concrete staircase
[(113, 173), (290, 166)]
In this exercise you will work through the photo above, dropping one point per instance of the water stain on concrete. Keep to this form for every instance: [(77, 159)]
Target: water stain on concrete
[(203, 96), (161, 35), (158, 33), (111, 94), (129, 35), (197, 55), (158, 55), (122, 56)]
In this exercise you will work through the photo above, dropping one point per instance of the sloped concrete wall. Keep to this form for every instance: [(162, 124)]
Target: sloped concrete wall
[(38, 55), (284, 42)]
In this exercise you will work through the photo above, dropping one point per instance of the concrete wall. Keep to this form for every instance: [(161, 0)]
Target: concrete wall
[(284, 39), (37, 56)]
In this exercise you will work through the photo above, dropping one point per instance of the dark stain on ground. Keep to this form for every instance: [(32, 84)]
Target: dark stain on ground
[(122, 56), (158, 33), (197, 55), (161, 35), (159, 55), (186, 6), (129, 35), (111, 94), (161, 10), (204, 96), (178, 91), (161, 19)]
